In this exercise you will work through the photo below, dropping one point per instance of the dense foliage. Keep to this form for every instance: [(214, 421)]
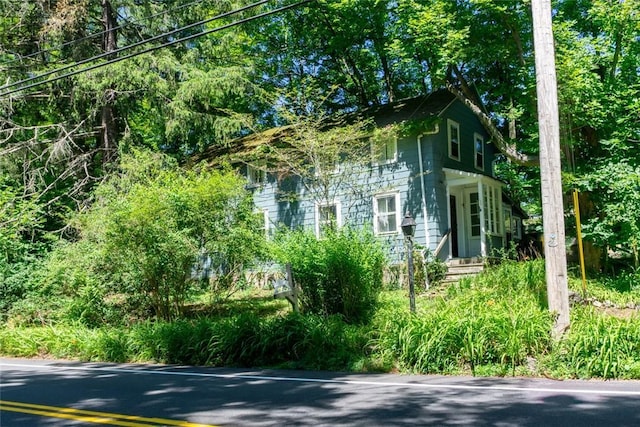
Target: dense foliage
[(470, 328), (59, 139), (139, 244), (91, 234), (340, 273)]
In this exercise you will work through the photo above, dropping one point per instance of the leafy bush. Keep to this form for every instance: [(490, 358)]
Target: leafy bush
[(141, 239), (614, 188), (20, 222), (338, 274), (436, 271)]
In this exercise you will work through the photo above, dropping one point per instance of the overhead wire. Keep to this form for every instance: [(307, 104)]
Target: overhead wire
[(125, 48), (154, 48), (90, 36)]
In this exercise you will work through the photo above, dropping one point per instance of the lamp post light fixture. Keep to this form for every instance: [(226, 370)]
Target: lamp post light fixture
[(408, 226)]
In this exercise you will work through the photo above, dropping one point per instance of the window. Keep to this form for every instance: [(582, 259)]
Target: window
[(256, 176), (327, 217), (478, 150), (517, 228), (326, 168), (508, 224), (386, 213), (492, 206), (265, 223), (453, 133), (474, 212), (384, 150)]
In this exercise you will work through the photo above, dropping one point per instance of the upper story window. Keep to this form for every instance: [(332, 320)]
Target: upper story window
[(478, 151), (453, 135), (386, 213), (326, 168), (384, 150), (328, 216), (255, 175)]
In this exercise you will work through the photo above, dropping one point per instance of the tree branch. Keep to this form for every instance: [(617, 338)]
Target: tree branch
[(506, 147)]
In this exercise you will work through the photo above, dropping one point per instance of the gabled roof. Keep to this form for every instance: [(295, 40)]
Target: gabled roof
[(418, 108), (410, 109)]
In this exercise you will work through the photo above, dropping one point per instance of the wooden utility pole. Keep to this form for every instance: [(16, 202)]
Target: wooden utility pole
[(550, 177)]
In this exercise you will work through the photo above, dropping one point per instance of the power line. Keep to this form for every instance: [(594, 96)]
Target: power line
[(115, 52), (90, 36), (151, 49)]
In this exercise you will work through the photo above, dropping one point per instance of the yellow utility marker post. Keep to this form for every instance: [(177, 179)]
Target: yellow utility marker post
[(576, 210)]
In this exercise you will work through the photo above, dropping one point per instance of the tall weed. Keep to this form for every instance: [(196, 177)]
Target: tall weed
[(494, 319), (598, 345), (338, 274)]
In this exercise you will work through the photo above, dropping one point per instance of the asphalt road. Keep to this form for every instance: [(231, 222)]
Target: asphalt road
[(56, 393)]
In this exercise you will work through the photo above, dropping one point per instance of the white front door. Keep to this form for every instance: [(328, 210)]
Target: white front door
[(472, 222)]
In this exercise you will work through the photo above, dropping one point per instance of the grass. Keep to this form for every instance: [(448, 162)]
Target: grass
[(476, 327), (620, 291), (495, 324)]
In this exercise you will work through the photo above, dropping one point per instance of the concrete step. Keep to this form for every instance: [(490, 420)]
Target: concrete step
[(464, 261), (465, 269), (459, 268)]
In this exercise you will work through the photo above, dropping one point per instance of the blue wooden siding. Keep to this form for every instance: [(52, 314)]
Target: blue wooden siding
[(469, 125)]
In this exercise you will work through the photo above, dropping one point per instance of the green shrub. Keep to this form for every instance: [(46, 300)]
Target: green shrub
[(338, 274), (140, 241), (22, 241), (424, 263), (436, 270), (291, 341)]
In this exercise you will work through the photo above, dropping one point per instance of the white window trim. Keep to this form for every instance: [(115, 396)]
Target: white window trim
[(395, 194), (338, 206), (508, 220), (250, 177), (375, 155), (266, 223), (450, 124), (476, 137), (493, 209), (265, 213)]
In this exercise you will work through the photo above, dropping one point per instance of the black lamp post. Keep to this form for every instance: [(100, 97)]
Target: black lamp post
[(408, 226)]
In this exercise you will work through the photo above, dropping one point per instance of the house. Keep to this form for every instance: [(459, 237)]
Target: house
[(437, 164)]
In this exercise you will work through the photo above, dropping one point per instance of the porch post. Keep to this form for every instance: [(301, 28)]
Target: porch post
[(449, 243), (483, 231)]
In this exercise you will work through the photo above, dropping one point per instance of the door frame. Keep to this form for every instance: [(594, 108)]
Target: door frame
[(472, 244), (458, 184)]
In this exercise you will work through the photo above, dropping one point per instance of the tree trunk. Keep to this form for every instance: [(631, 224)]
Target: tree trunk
[(108, 129)]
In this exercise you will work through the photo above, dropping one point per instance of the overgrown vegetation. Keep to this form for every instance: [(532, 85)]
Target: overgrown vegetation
[(491, 324), (139, 245), (494, 324), (341, 273)]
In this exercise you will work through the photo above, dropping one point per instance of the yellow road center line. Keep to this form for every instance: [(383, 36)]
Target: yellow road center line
[(88, 419), (95, 417)]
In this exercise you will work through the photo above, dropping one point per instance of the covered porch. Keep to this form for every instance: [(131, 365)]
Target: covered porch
[(476, 218)]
